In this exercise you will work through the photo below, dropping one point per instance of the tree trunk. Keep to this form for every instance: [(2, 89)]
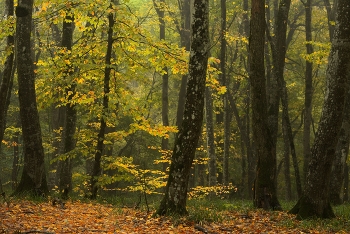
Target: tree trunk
[(15, 162), (210, 136), (8, 74), (341, 155), (265, 195), (33, 178), (103, 121), (286, 160), (315, 201), (65, 181), (187, 138), (165, 77), (225, 82), (185, 32), (308, 88)]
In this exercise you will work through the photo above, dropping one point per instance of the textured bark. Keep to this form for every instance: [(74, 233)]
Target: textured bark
[(185, 34), (308, 89), (341, 155), (103, 121), (315, 201), (264, 189), (33, 179), (187, 138), (65, 173), (210, 136)]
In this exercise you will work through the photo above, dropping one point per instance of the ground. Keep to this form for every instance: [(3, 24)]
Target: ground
[(79, 217)]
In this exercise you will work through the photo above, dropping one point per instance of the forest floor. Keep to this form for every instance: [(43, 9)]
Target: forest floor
[(23, 216)]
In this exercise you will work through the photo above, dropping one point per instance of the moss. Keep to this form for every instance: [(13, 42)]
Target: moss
[(306, 209)]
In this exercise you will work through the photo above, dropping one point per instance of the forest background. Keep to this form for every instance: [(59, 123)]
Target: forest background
[(92, 149)]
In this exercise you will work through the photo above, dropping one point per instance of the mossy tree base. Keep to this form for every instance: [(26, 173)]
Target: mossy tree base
[(28, 187), (168, 208), (306, 208)]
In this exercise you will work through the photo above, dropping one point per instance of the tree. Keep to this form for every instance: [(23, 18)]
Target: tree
[(103, 118), (185, 32), (315, 201), (174, 200), (33, 179), (8, 73), (6, 78), (65, 173), (308, 87), (165, 77), (265, 195), (210, 136)]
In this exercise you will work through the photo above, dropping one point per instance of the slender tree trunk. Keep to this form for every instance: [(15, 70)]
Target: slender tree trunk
[(103, 121), (315, 201), (286, 160), (15, 162), (187, 138), (210, 137), (65, 181), (8, 73), (265, 195), (33, 178), (346, 183), (225, 82), (165, 78), (185, 32), (308, 89)]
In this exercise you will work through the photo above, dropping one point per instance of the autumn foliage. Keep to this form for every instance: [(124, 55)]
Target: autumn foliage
[(79, 217)]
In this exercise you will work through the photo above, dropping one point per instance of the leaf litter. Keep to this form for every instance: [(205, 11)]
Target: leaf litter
[(79, 217)]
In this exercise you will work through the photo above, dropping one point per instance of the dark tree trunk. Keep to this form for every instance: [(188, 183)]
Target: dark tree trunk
[(346, 183), (265, 195), (8, 74), (187, 138), (225, 82), (15, 162), (286, 160), (65, 181), (103, 121), (165, 78), (315, 201), (251, 160), (210, 136), (185, 34), (308, 89), (330, 16), (33, 178)]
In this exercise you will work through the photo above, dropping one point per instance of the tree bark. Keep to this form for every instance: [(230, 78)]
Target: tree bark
[(65, 174), (187, 138), (185, 34), (33, 178), (8, 74), (225, 82), (315, 201), (265, 195), (210, 136), (103, 121), (341, 155), (165, 77), (308, 88)]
